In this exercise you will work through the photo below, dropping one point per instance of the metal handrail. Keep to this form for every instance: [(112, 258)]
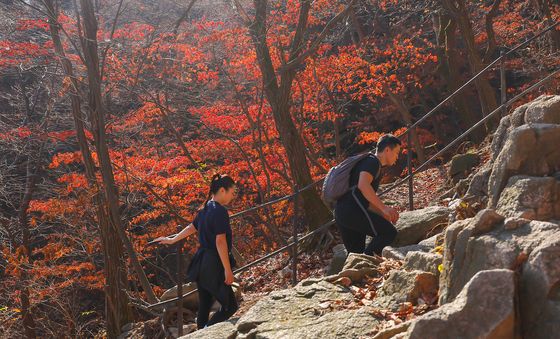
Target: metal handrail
[(408, 178), (398, 183), (478, 124), (414, 125), (320, 229), (478, 75), (275, 201)]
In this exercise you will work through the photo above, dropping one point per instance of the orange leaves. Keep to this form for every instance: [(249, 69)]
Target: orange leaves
[(368, 137), (61, 135), (27, 24), (222, 116), (55, 208), (21, 254), (78, 267), (146, 216), (73, 181), (399, 131), (16, 134), (65, 158), (133, 31), (14, 53), (146, 114), (54, 251)]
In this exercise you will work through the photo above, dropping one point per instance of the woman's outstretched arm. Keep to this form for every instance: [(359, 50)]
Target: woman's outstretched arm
[(185, 232)]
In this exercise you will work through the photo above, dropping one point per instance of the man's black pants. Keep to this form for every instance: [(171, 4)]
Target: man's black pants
[(354, 225)]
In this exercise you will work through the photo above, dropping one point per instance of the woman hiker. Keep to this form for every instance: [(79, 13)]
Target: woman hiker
[(211, 266), (360, 212)]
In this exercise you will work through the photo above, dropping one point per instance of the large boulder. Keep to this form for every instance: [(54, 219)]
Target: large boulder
[(530, 246), (347, 324), (478, 186), (361, 261), (357, 266), (300, 313), (422, 261), (536, 198), (485, 308), (432, 241), (189, 328), (531, 150), (223, 330), (191, 301), (404, 286), (292, 304), (472, 246), (393, 331), (543, 110), (462, 165), (414, 226), (539, 293), (338, 259), (399, 253)]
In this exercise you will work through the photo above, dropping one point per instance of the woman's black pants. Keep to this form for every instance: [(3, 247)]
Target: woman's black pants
[(225, 297)]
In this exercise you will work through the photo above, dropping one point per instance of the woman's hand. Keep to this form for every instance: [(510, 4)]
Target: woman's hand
[(229, 277), (164, 240)]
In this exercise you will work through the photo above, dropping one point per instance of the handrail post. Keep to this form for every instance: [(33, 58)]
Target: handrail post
[(295, 237), (503, 85), (409, 165), (180, 288)]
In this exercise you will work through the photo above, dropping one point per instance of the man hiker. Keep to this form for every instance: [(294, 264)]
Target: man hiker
[(360, 212)]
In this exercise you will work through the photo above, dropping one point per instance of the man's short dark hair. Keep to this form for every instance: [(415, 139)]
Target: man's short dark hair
[(387, 140)]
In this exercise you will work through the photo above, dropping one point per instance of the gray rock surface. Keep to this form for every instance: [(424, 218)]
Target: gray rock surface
[(414, 226), (529, 150), (422, 261), (484, 309), (535, 198)]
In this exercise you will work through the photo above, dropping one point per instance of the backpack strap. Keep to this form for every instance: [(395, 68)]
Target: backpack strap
[(370, 154), (379, 168)]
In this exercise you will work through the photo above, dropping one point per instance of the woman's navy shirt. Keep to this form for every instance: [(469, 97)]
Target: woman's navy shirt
[(211, 221)]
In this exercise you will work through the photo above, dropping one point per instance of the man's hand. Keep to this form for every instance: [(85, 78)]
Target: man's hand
[(391, 214), (229, 277)]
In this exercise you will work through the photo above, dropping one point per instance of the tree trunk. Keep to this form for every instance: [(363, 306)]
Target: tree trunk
[(450, 68), (358, 27), (336, 122), (118, 312), (96, 115), (114, 261), (543, 9), (485, 91), (407, 119), (279, 97), (26, 314), (489, 24)]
